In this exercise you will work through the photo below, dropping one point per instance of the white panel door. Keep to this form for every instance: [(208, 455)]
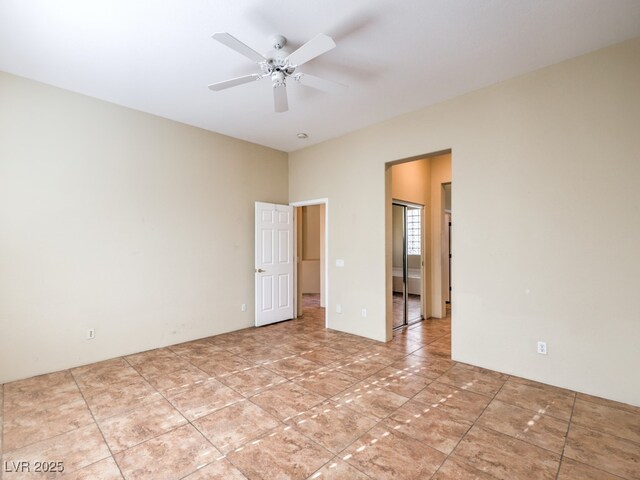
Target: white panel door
[(274, 263)]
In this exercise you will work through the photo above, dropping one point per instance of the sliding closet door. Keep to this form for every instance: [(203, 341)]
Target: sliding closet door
[(399, 265), (407, 225)]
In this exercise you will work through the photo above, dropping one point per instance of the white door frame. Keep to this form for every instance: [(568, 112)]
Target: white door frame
[(307, 203)]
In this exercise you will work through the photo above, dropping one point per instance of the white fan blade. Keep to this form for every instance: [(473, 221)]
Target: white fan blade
[(235, 44), (233, 82), (310, 50), (280, 101), (320, 83)]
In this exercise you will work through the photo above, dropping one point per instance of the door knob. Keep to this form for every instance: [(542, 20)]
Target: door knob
[(259, 270)]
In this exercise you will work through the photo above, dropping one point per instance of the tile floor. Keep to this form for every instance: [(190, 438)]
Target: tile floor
[(295, 400)]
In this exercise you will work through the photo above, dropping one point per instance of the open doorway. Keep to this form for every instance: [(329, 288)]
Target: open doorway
[(311, 267), (418, 182)]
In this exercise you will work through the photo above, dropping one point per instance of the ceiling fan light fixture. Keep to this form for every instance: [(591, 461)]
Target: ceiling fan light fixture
[(278, 65)]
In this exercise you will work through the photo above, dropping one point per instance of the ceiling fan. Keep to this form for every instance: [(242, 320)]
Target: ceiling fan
[(280, 65)]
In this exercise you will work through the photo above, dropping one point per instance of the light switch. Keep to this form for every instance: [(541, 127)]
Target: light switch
[(339, 262)]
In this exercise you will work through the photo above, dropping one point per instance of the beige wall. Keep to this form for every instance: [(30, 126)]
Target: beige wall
[(440, 174), (311, 232), (137, 226), (411, 181), (310, 262), (546, 199)]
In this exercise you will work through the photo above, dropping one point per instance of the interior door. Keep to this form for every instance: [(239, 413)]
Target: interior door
[(274, 263)]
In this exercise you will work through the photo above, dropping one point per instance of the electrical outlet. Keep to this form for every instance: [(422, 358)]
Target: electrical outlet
[(243, 307), (91, 334), (364, 312), (338, 308), (542, 348)]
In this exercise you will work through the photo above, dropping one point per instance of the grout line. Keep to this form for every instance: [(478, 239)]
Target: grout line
[(473, 424), (97, 426), (566, 437)]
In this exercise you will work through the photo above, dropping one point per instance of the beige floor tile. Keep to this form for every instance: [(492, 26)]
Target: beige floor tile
[(430, 368), (505, 457), (220, 468), (50, 382), (474, 380), (264, 354), (197, 351), (609, 403), (359, 366), (300, 345), (383, 354), (542, 386), (95, 382), (286, 401), (100, 368), (404, 345), (175, 382), (253, 380), (435, 349), (136, 426), (107, 402), (461, 403), (26, 425), (162, 365), (399, 381), (572, 470), (383, 454), (605, 452), (549, 402), (225, 366), (620, 423), (106, 469), (454, 470), (332, 425), (292, 367), (75, 449), (434, 426), (284, 454), (172, 455), (158, 354), (326, 381), (371, 400), (528, 425), (204, 398), (235, 425), (337, 469), (323, 355)]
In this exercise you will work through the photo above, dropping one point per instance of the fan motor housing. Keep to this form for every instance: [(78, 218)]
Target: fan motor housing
[(278, 41)]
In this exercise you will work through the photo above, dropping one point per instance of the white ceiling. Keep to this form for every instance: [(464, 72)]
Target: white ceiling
[(396, 56)]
